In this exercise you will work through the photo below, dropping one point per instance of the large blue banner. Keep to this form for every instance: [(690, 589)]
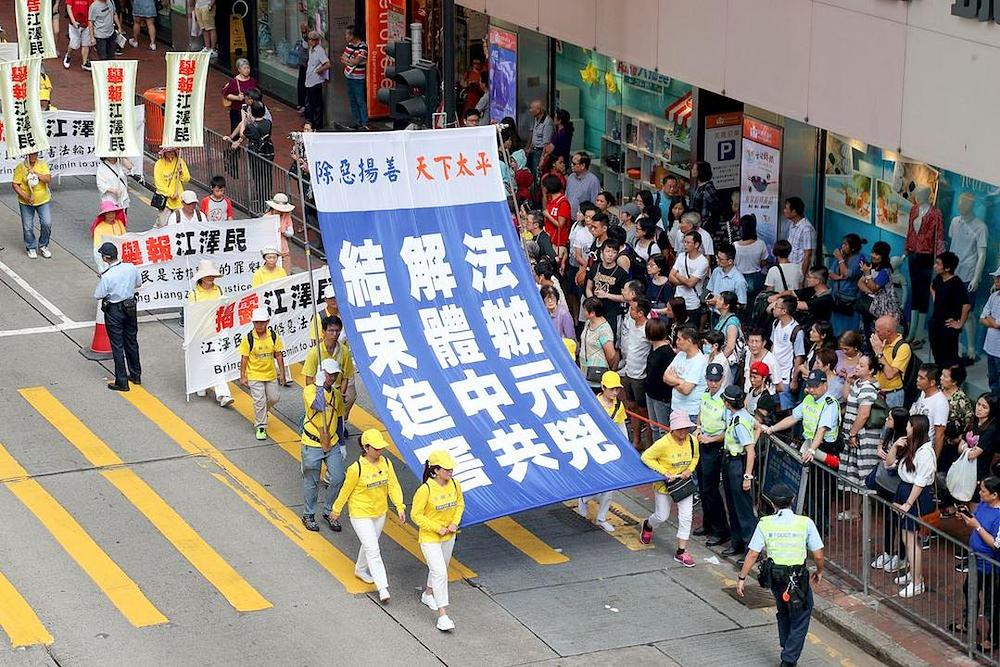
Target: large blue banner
[(448, 330)]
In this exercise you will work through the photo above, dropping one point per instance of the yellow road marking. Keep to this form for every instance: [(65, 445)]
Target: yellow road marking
[(507, 528), (625, 523), (116, 585), (18, 619), (251, 491), (240, 594), (403, 534)]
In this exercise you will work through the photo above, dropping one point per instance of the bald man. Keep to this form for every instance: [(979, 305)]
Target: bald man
[(894, 354)]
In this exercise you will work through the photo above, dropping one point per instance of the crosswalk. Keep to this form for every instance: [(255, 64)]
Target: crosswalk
[(120, 585)]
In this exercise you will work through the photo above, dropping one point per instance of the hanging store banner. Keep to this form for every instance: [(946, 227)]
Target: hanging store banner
[(184, 117), (503, 74), (385, 21), (760, 173), (115, 132), (723, 132), (167, 257), (22, 113), (34, 28), (213, 330), (448, 330)]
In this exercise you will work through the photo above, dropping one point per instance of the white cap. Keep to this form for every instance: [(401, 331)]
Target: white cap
[(189, 197), (259, 315), (330, 366), (328, 292)]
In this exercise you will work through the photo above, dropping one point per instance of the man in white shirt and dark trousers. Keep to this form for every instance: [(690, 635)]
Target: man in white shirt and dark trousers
[(541, 133), (801, 233), (116, 290), (634, 351), (932, 403), (688, 275), (990, 318), (317, 73), (788, 347)]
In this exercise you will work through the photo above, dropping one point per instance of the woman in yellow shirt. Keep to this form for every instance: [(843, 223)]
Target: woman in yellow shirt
[(610, 400), (675, 456), (368, 485), (110, 221), (437, 509), (170, 176), (205, 289), (270, 270)]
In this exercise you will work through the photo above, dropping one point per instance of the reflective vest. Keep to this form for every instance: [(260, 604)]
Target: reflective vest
[(785, 540), (712, 414), (812, 410), (731, 442)]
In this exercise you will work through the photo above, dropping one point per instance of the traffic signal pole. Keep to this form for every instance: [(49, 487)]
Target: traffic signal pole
[(448, 60)]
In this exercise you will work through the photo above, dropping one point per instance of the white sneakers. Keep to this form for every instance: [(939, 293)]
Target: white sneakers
[(32, 254), (903, 580), (364, 576), (383, 595), (880, 561), (912, 590), (134, 43), (581, 508), (445, 624), (428, 600), (202, 393), (225, 401), (45, 252), (608, 528)]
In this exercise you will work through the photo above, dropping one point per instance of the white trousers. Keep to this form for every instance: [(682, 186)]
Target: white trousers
[(438, 555), (603, 503), (685, 509), (369, 557), (222, 391)]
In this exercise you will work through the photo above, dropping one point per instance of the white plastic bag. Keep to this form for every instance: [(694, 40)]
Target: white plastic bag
[(961, 479)]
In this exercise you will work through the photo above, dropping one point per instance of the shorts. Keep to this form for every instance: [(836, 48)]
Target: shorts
[(205, 17), (635, 390), (79, 35), (144, 9)]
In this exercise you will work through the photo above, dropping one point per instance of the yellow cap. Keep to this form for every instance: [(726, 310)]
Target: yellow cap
[(570, 347), (441, 459), (374, 438), (611, 380)]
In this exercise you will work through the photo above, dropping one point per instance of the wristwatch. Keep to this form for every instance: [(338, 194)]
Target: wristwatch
[(748, 477), (742, 578)]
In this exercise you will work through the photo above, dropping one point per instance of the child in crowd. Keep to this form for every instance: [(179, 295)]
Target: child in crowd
[(217, 207)]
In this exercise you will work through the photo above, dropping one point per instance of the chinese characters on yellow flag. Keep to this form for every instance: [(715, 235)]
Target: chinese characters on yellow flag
[(22, 114), (184, 117), (34, 29), (115, 132)]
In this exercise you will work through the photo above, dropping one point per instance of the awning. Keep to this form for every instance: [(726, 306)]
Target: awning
[(680, 111)]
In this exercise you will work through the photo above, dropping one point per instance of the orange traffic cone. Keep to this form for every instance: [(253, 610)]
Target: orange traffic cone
[(100, 345)]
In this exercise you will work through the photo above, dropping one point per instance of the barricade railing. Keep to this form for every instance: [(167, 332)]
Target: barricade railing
[(250, 178), (863, 531)]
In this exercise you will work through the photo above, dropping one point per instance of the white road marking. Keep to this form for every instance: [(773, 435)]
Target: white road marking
[(35, 294), (69, 325)]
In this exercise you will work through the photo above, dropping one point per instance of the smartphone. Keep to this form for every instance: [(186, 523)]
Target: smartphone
[(962, 509)]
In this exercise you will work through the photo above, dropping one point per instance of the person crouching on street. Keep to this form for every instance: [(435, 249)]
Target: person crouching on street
[(368, 485), (205, 289), (259, 350), (324, 404), (437, 510), (610, 400)]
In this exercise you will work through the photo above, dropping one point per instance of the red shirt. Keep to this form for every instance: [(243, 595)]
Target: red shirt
[(930, 239), (558, 208), (80, 9)]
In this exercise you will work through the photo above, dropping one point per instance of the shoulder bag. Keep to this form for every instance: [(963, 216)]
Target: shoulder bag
[(679, 489)]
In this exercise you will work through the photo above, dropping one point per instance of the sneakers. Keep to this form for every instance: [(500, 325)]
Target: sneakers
[(684, 559), (152, 46), (903, 579), (646, 534), (961, 564), (428, 600), (86, 66), (32, 254), (225, 401), (202, 393), (581, 508), (445, 624), (925, 543), (383, 595), (66, 60), (846, 516), (604, 525), (364, 576), (261, 433), (912, 590), (894, 564), (333, 523), (309, 521), (881, 561), (134, 43), (45, 252)]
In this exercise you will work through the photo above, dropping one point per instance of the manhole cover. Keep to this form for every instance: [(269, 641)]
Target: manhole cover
[(755, 597)]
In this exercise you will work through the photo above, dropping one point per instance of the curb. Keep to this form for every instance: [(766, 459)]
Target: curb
[(871, 641)]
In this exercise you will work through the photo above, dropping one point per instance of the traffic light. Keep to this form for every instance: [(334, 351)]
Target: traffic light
[(416, 91)]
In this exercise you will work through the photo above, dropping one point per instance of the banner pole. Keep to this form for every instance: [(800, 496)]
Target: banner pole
[(509, 189), (299, 146)]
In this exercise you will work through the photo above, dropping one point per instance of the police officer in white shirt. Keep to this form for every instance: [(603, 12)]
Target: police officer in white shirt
[(116, 290)]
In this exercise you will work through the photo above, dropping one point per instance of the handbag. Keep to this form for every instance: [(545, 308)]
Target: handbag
[(158, 201), (226, 102), (885, 478), (594, 373), (679, 489), (878, 413), (844, 304)]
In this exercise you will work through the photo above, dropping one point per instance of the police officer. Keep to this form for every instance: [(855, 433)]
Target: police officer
[(711, 429), (737, 469), (116, 290), (787, 537)]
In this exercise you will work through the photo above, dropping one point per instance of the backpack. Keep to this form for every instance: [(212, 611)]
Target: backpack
[(910, 391), (250, 337), (198, 216)]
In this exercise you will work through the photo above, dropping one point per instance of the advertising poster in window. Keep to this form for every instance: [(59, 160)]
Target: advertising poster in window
[(385, 22), (760, 175), (503, 74)]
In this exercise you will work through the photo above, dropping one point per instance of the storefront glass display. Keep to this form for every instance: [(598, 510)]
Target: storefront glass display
[(277, 35)]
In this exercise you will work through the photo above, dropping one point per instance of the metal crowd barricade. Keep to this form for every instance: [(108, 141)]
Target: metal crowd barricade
[(250, 179), (853, 544)]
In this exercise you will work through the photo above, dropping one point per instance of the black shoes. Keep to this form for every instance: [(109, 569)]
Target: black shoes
[(699, 532), (732, 551), (716, 540), (333, 523), (309, 521), (117, 387), (135, 381)]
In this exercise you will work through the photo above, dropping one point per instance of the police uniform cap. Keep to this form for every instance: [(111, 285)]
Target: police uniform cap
[(781, 492), (108, 249)]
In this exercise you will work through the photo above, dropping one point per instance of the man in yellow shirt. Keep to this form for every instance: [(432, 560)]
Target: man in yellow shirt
[(334, 348), (342, 355), (894, 354), (270, 270), (31, 183), (675, 456), (324, 406), (259, 349)]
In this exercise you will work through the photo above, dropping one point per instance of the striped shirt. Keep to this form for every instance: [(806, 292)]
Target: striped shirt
[(858, 461), (352, 51)]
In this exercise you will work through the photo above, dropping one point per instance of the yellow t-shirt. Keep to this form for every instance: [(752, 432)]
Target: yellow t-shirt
[(615, 410), (341, 354), (170, 180), (367, 488), (316, 326), (260, 361), (214, 293), (435, 507), (669, 457), (315, 420), (263, 276), (40, 192), (103, 230), (900, 361)]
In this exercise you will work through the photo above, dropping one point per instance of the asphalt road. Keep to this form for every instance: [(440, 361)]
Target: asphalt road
[(144, 528)]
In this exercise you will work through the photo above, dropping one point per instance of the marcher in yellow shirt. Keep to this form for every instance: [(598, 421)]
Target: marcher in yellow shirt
[(675, 456), (259, 349), (437, 509), (31, 183), (110, 221), (270, 270), (205, 289), (320, 443), (170, 176), (342, 355), (368, 484), (610, 400)]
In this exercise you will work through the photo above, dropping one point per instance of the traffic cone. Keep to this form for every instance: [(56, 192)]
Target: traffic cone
[(100, 345)]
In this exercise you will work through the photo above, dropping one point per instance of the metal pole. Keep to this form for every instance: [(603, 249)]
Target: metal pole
[(971, 613), (297, 138), (448, 58), (866, 541)]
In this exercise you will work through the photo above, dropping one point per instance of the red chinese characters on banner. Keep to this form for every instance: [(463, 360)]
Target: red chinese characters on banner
[(158, 249), (131, 252), (224, 317), (246, 307), (451, 167)]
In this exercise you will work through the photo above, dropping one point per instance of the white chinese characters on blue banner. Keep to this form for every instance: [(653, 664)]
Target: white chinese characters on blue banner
[(448, 330)]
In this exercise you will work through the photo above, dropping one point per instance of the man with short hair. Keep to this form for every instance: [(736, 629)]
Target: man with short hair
[(116, 291), (705, 199), (711, 431), (801, 233), (688, 275), (103, 17), (606, 280), (670, 188), (788, 346), (635, 350), (80, 36), (324, 406), (894, 355), (471, 118), (581, 185), (691, 222), (686, 373), (933, 403), (541, 133), (260, 348), (189, 211), (725, 277), (355, 62), (951, 310), (317, 73), (737, 470), (990, 318)]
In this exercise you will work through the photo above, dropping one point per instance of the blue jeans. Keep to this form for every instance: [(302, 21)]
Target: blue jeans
[(312, 461), (894, 399), (28, 225), (658, 412), (993, 373), (358, 99)]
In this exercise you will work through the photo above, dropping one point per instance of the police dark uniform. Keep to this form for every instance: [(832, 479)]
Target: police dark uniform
[(116, 290), (787, 538)]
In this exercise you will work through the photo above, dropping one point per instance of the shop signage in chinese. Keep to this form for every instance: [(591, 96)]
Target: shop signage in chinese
[(384, 22), (34, 28), (167, 257), (213, 330), (114, 121), (980, 10), (722, 148), (640, 77), (760, 172), (447, 327), (184, 116), (71, 150), (22, 114)]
